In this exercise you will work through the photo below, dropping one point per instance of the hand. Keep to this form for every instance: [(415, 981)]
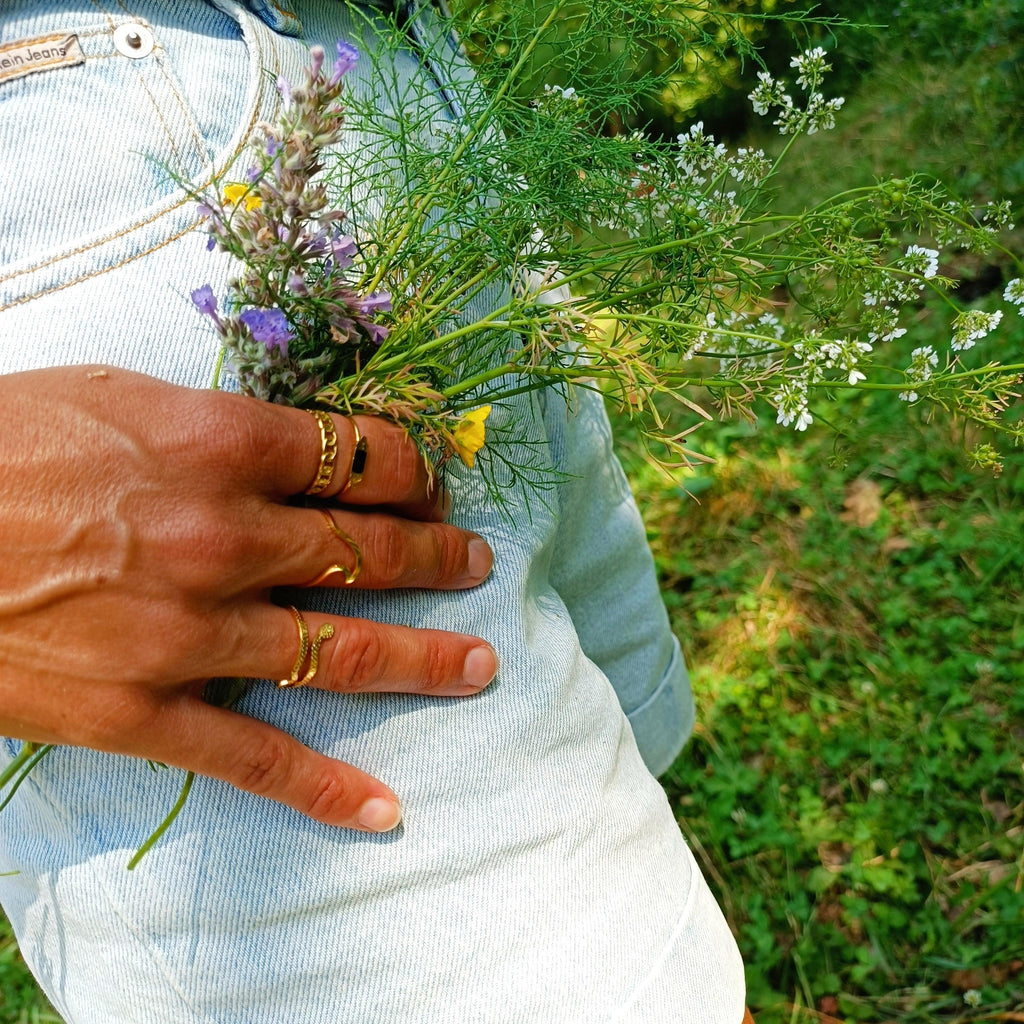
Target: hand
[(143, 526)]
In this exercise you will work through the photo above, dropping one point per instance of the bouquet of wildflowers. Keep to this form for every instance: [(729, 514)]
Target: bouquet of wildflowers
[(304, 328), (609, 259)]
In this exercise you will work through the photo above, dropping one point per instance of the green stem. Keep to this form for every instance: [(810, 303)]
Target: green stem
[(678, 378), (423, 205), (166, 823), (18, 770), (489, 322), (974, 374), (218, 368)]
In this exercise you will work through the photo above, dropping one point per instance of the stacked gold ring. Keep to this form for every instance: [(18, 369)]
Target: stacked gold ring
[(328, 452), (358, 458)]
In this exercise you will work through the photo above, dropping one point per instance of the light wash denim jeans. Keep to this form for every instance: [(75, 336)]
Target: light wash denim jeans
[(539, 876)]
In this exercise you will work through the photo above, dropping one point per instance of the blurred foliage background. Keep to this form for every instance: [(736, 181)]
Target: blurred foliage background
[(851, 601)]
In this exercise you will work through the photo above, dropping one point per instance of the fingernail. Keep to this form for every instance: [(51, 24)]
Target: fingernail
[(480, 559), (480, 667), (379, 815)]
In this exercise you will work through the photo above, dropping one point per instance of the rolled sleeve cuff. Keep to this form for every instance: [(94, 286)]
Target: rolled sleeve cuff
[(663, 723)]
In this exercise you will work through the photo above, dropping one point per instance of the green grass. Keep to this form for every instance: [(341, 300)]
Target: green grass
[(21, 1002), (854, 790)]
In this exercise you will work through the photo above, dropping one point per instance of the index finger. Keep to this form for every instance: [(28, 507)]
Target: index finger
[(387, 470)]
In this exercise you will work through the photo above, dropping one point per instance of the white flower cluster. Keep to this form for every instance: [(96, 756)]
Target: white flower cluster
[(749, 165), (922, 362), (567, 94), (701, 158), (699, 153), (819, 355), (999, 214), (887, 292), (749, 340), (882, 324), (697, 197), (1014, 292), (960, 229), (821, 113), (705, 339), (811, 66), (891, 291), (817, 114), (972, 326), (919, 260), (791, 403), (558, 101), (769, 92)]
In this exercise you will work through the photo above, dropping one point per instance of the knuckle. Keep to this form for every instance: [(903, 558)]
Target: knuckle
[(388, 547), (121, 717), (235, 434), (263, 766), (220, 427), (450, 552), (330, 798), (360, 660), (437, 664), (229, 632), (205, 548)]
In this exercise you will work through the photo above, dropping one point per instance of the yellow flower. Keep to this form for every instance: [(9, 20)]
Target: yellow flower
[(236, 192), (468, 436)]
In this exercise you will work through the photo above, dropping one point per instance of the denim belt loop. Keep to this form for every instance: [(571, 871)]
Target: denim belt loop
[(276, 16)]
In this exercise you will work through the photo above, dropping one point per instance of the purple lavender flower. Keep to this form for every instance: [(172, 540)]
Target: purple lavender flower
[(379, 302), (343, 248), (315, 244), (376, 332), (347, 57), (316, 61), (206, 302), (343, 329), (284, 87), (216, 225), (343, 245), (296, 282), (268, 326)]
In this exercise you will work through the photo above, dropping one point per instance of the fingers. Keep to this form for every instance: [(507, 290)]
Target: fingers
[(372, 551), (263, 760), (391, 470), (357, 655)]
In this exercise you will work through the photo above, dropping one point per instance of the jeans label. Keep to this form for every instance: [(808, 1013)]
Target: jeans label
[(25, 56)]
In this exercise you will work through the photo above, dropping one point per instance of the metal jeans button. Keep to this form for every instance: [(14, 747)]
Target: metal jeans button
[(133, 40)]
